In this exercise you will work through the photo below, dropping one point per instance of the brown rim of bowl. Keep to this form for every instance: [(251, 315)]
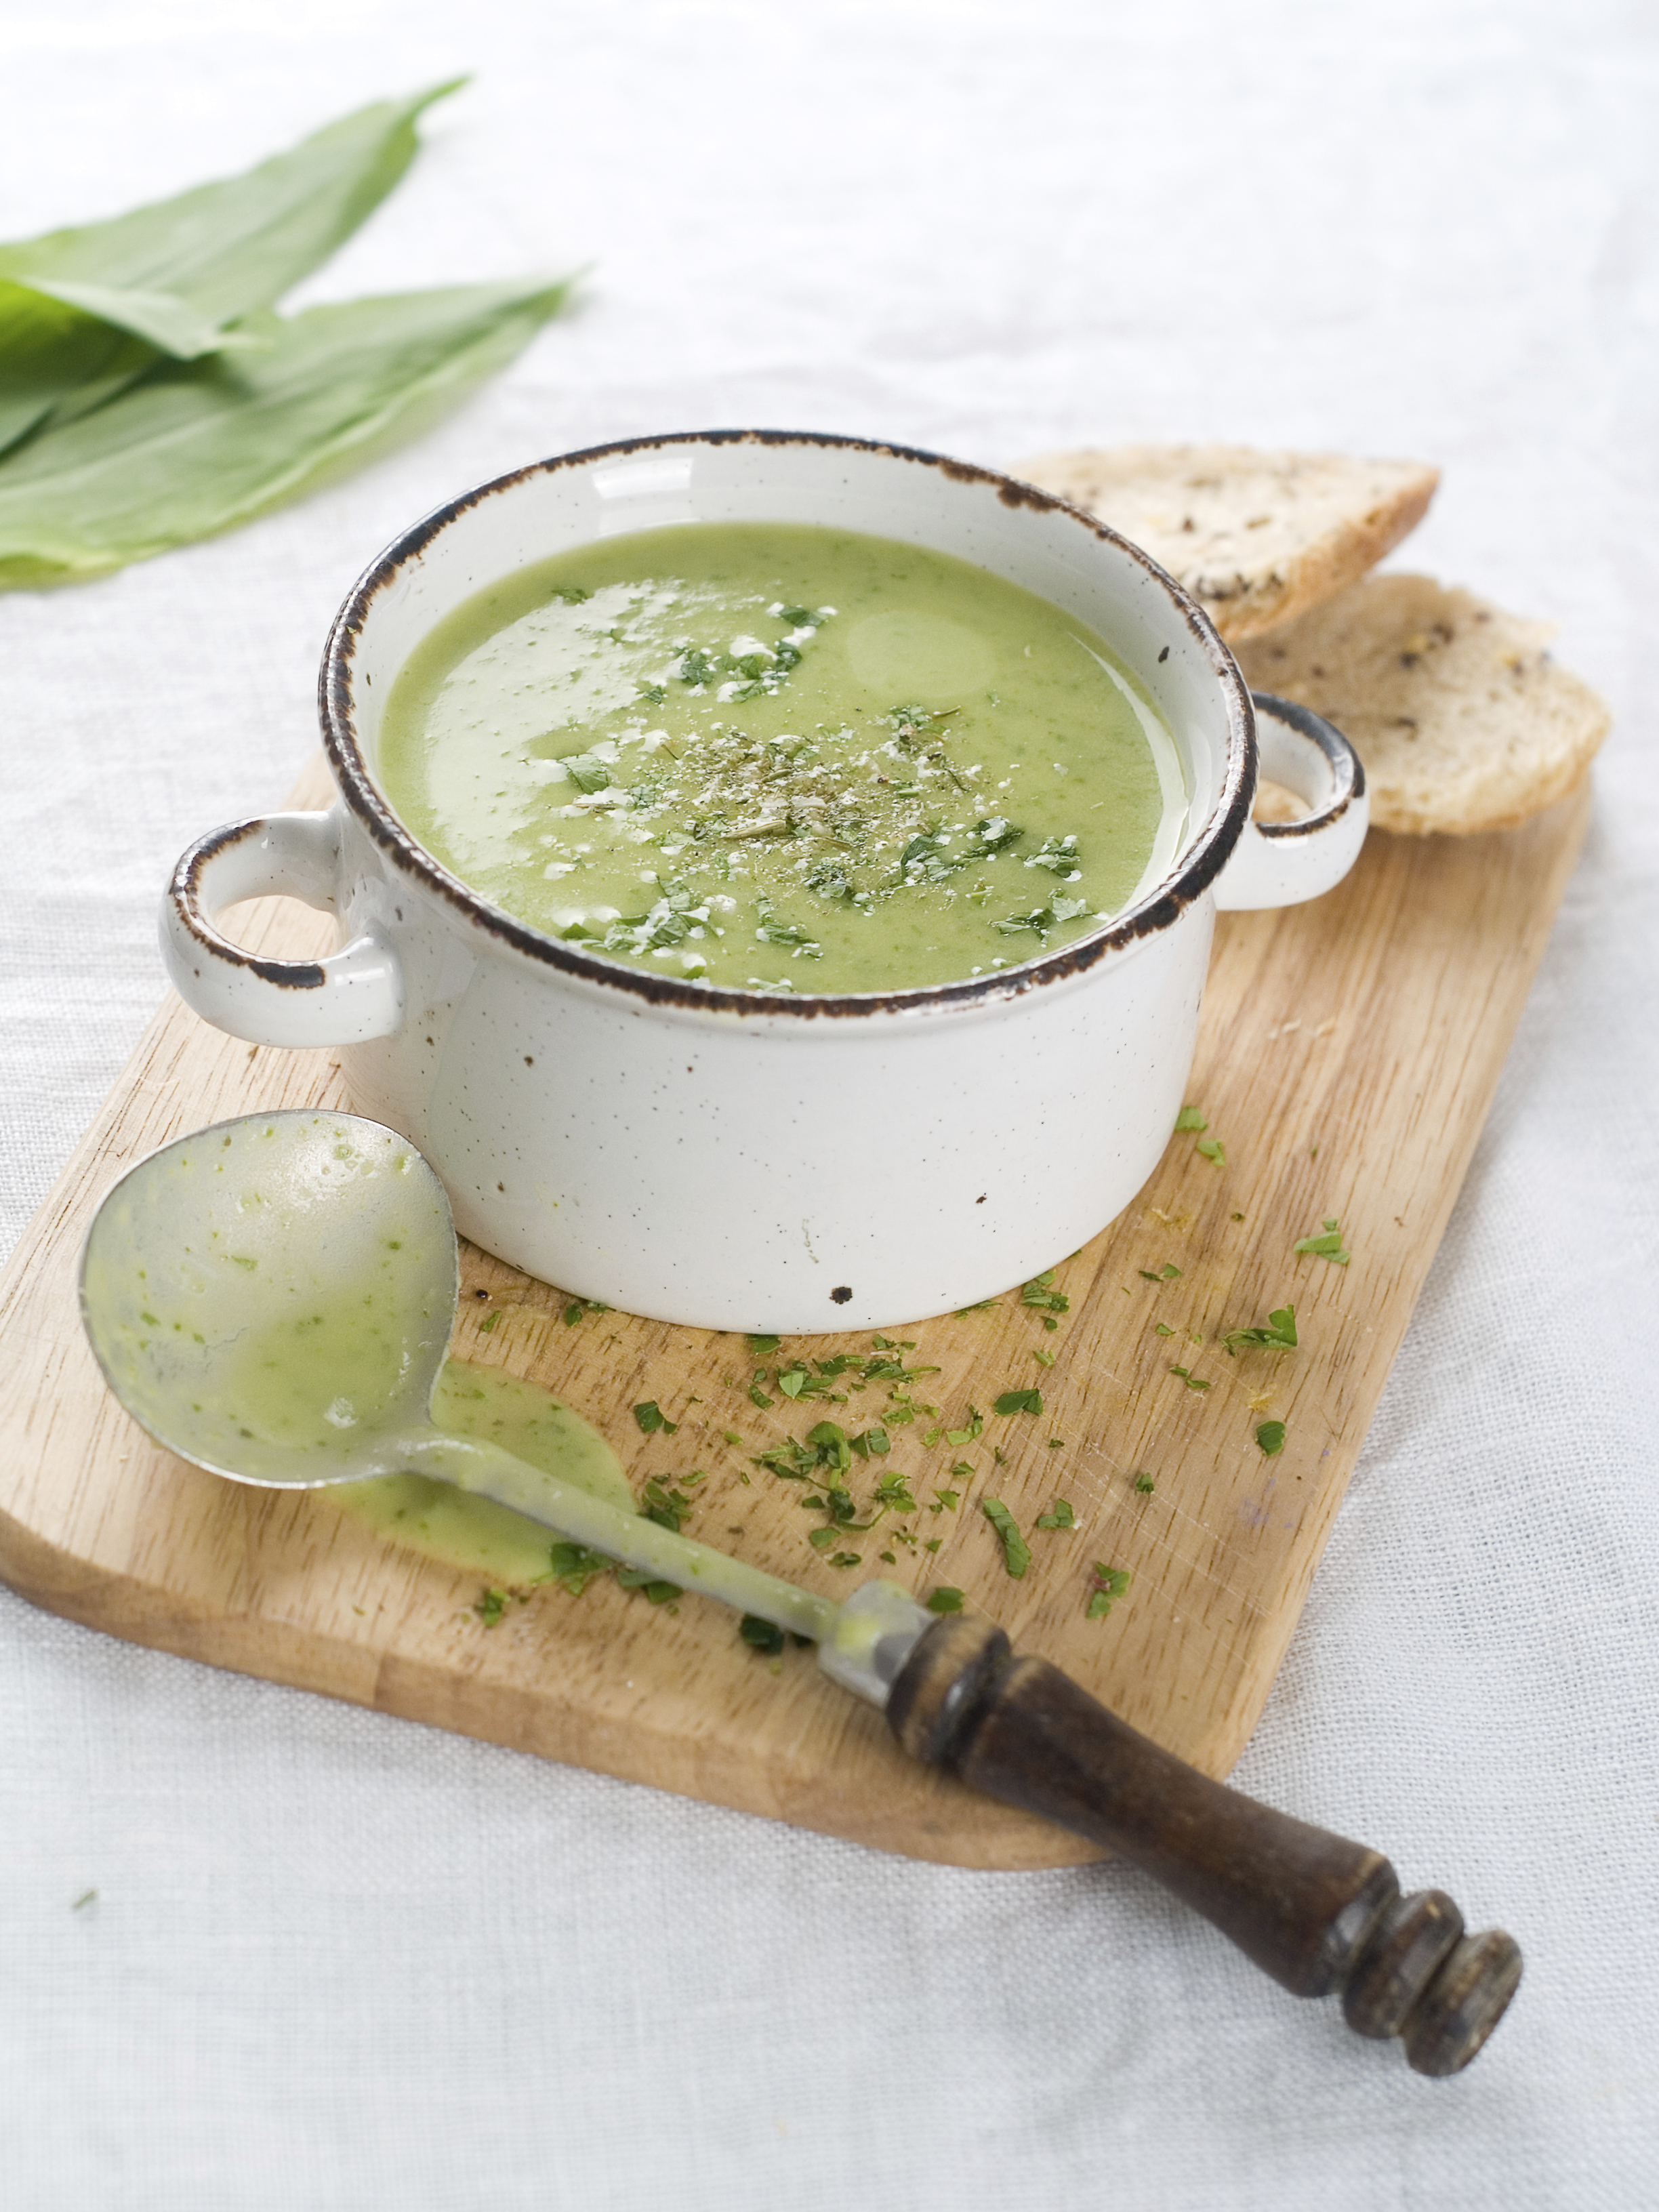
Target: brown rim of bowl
[(1197, 870)]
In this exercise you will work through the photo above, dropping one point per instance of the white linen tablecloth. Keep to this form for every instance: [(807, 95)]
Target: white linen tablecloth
[(338, 1960)]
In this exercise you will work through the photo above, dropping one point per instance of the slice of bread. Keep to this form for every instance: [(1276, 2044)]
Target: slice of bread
[(1462, 720), (1256, 537)]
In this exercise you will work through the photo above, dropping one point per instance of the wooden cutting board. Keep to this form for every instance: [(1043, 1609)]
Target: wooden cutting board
[(1348, 1055)]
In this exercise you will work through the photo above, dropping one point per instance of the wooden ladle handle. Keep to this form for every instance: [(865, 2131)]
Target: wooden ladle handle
[(1323, 1916)]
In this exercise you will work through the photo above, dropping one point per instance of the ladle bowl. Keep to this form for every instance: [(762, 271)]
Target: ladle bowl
[(272, 1299)]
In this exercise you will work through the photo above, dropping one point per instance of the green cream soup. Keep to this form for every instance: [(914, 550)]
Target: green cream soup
[(774, 756)]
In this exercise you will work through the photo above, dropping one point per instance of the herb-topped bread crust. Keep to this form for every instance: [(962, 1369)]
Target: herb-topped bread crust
[(1256, 537), (1462, 720)]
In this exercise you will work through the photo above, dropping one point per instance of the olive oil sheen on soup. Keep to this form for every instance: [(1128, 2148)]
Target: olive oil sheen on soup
[(777, 756)]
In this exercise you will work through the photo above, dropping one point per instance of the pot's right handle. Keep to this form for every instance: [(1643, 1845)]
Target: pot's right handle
[(354, 993), (1283, 863)]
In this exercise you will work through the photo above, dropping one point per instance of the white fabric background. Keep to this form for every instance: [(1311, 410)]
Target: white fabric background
[(337, 1960)]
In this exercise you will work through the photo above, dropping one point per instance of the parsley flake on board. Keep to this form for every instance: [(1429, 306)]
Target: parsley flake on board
[(579, 1309), (1040, 1292), (1327, 1247), (1016, 1552), (1192, 1381), (1270, 1437), (492, 1604), (574, 1566), (1192, 1117), (651, 1418), (1110, 1584), (1059, 1515), (664, 1504), (945, 1599), (657, 1591), (762, 1347), (1145, 1483), (760, 1634), (893, 1495), (1212, 1150), (1020, 1401), (1163, 1328), (1279, 1335)]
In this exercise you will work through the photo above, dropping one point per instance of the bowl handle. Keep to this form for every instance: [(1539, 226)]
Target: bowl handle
[(354, 993), (1283, 863)]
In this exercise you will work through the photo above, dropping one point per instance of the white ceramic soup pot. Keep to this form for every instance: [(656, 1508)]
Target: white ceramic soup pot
[(737, 1158)]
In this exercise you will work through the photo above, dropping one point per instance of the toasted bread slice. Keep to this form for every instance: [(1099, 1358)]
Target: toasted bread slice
[(1462, 720), (1257, 538)]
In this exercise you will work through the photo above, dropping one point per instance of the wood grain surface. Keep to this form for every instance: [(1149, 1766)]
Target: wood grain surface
[(1348, 1055)]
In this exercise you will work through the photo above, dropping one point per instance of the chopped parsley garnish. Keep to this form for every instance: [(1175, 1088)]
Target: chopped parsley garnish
[(758, 1397), (1279, 1335), (1327, 1247), (945, 1600), (488, 1321), (1043, 918), (574, 1566), (1163, 1328), (763, 1635), (579, 1308), (975, 1429), (1043, 1358), (870, 1442), (762, 1347), (1110, 1584), (945, 1501), (826, 1456), (657, 1591), (1059, 856), (1213, 1151), (1040, 1292), (1016, 1552), (587, 772), (1270, 1437), (846, 1558), (1192, 1117), (893, 1495), (664, 1504), (1192, 1381), (651, 1418), (491, 1605), (1020, 1401), (1166, 1273), (1059, 1515), (1145, 1483), (799, 1382)]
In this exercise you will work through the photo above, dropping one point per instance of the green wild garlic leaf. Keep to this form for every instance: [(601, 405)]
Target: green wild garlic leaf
[(85, 311), (197, 447)]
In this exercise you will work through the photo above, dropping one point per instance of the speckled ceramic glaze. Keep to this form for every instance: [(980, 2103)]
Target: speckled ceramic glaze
[(730, 1158)]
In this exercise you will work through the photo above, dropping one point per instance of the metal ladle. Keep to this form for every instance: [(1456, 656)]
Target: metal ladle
[(273, 1299)]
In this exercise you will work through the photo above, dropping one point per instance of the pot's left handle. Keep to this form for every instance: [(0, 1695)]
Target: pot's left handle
[(353, 995)]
